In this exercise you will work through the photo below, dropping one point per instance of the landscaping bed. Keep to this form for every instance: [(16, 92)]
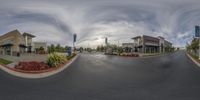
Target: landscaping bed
[(194, 57), (129, 55), (150, 54), (53, 62), (4, 62), (32, 66), (125, 54)]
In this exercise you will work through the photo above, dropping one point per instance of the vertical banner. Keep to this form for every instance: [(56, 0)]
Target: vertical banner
[(106, 40), (197, 31), (74, 36), (197, 35), (74, 40)]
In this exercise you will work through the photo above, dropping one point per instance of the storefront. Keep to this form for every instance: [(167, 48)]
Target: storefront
[(14, 43), (151, 49), (6, 49)]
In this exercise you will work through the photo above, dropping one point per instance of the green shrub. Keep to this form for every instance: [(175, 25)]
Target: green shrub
[(72, 56), (55, 59)]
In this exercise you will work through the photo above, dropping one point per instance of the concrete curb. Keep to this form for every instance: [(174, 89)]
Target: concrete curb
[(158, 55), (197, 63), (39, 75)]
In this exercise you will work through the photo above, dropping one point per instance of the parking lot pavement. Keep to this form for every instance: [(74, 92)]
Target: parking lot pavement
[(106, 77)]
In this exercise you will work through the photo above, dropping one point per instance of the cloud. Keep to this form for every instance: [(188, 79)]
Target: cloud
[(92, 20)]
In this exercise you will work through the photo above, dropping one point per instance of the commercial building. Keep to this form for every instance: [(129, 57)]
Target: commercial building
[(148, 44), (37, 45), (128, 47), (13, 43)]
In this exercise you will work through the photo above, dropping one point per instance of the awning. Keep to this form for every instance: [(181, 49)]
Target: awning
[(22, 45), (6, 45), (27, 34)]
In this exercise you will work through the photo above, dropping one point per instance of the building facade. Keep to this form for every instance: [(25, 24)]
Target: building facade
[(148, 44), (13, 43), (128, 47), (37, 45)]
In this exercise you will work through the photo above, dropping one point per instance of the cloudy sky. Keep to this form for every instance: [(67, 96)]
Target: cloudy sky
[(54, 21)]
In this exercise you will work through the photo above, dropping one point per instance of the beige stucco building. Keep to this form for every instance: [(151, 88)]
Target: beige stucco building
[(14, 42), (37, 45)]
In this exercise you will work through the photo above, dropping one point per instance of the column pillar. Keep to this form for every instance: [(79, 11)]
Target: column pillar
[(3, 51), (26, 43), (11, 51), (143, 49)]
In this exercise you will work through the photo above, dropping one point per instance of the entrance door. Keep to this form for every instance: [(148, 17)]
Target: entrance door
[(29, 49), (8, 50)]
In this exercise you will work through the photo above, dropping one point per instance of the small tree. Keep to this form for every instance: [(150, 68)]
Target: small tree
[(167, 49), (58, 48), (41, 48), (98, 48), (193, 47), (195, 44), (120, 50), (51, 48), (102, 48)]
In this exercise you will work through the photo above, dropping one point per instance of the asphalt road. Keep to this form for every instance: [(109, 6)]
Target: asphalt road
[(101, 77)]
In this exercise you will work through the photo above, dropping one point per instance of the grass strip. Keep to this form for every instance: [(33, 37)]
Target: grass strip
[(4, 62)]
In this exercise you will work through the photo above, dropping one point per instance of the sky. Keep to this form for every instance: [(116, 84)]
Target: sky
[(55, 21)]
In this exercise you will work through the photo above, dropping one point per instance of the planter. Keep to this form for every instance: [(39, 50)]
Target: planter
[(39, 73), (38, 67), (129, 55)]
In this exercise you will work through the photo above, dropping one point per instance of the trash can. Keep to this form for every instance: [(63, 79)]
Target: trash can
[(18, 54)]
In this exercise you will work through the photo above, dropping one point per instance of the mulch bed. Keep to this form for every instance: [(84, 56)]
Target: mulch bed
[(35, 67), (32, 66), (130, 55), (125, 55)]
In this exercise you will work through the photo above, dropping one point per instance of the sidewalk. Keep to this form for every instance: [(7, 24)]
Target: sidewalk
[(143, 55), (26, 57)]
